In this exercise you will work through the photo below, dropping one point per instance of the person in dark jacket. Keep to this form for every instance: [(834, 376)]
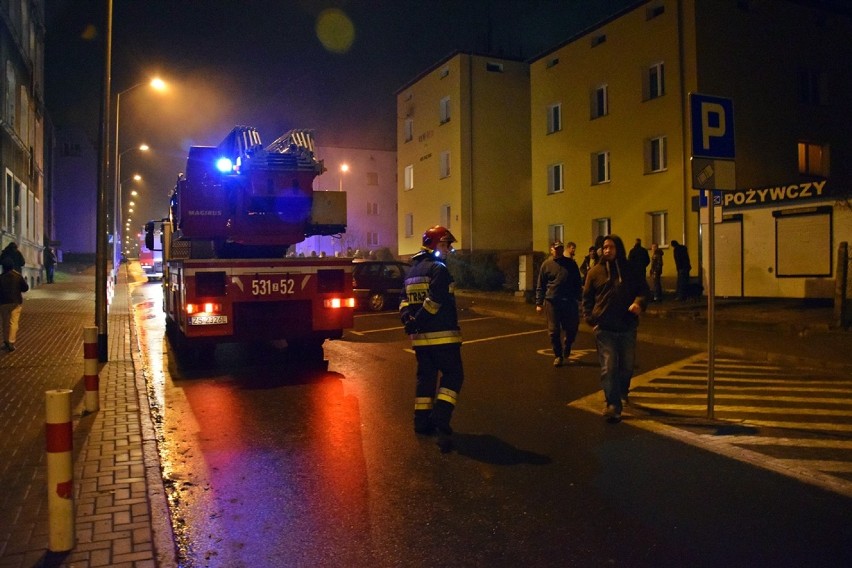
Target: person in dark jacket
[(428, 312), (11, 252), (557, 294), (683, 266), (639, 256), (12, 284), (49, 263), (657, 272), (589, 261), (613, 297)]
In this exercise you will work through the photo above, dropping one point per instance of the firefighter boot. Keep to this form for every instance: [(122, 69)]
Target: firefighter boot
[(441, 419)]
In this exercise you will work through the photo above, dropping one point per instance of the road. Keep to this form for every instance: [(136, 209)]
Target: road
[(269, 462)]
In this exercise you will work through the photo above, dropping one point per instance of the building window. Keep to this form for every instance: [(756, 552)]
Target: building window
[(444, 164), (445, 110), (409, 178), (814, 159), (655, 81), (812, 87), (372, 239), (6, 200), (555, 233), (445, 72), (494, 67), (372, 208), (600, 105), (598, 39), (554, 178), (554, 118), (446, 215), (600, 167), (372, 178), (552, 63), (655, 155), (408, 130), (657, 222), (409, 224), (601, 228)]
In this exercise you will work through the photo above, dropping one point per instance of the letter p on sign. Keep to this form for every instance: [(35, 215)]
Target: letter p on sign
[(712, 127), (712, 123)]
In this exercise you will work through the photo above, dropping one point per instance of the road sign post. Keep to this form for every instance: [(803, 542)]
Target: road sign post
[(713, 168)]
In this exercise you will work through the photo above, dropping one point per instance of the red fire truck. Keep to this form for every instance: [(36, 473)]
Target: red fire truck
[(233, 215), (151, 261)]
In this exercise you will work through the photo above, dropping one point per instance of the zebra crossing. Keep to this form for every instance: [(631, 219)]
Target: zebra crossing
[(797, 422)]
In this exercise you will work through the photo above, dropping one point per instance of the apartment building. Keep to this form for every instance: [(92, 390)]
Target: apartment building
[(611, 138), (463, 154), (22, 131), (368, 177)]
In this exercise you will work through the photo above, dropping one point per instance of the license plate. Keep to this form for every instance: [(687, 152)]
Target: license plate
[(207, 320)]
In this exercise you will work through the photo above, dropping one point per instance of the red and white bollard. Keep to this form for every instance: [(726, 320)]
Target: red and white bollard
[(90, 368), (60, 475)]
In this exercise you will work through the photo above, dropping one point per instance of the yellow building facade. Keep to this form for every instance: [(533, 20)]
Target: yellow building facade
[(463, 154), (611, 134)]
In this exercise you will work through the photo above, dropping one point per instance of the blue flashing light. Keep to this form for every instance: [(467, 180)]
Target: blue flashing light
[(224, 165)]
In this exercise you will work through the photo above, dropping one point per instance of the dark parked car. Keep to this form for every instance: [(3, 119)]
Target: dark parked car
[(377, 284)]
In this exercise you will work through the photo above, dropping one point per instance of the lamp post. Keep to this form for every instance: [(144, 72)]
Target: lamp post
[(118, 205)]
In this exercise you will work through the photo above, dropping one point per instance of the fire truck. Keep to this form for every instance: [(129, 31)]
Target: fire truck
[(233, 215), (151, 261)]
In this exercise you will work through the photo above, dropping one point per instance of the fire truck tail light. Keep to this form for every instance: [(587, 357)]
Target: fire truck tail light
[(207, 308), (336, 303)]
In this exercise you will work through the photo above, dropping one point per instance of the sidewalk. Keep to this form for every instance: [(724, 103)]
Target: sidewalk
[(121, 513), (789, 332)]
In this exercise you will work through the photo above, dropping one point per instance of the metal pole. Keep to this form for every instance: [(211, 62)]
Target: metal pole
[(711, 303), (101, 225)]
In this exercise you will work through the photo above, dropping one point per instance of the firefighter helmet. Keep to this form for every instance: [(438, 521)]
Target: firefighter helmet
[(436, 235)]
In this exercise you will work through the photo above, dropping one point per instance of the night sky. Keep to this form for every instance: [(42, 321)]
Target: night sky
[(274, 64)]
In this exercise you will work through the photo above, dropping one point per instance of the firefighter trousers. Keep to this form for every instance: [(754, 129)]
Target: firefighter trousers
[(435, 399)]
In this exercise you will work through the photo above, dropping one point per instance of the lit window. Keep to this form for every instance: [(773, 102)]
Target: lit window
[(814, 159), (554, 118), (600, 167), (554, 178)]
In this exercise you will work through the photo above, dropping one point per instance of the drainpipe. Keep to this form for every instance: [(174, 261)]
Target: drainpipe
[(470, 152)]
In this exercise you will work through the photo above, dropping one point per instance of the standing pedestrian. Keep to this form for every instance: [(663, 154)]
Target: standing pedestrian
[(12, 284), (589, 261), (682, 265), (428, 312), (557, 294), (657, 272), (613, 298), (11, 252), (571, 250), (49, 263), (639, 256)]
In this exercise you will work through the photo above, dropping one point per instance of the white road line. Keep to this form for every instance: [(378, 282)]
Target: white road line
[(496, 337), (743, 448), (399, 327)]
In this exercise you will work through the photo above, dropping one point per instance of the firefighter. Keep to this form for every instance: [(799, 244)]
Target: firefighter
[(428, 312)]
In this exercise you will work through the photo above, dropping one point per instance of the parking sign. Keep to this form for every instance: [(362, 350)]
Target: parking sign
[(712, 127)]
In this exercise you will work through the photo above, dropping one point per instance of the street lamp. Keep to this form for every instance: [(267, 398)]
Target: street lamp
[(343, 169), (118, 198)]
